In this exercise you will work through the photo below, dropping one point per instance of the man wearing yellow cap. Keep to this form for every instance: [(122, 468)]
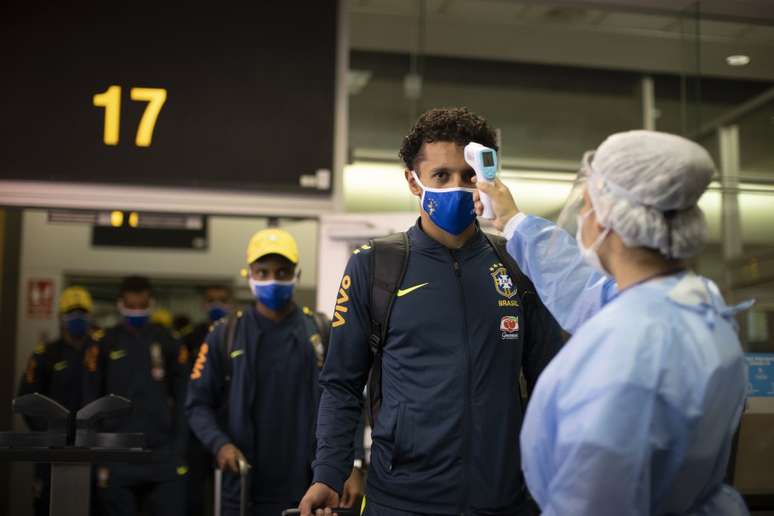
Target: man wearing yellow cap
[(55, 370), (254, 387)]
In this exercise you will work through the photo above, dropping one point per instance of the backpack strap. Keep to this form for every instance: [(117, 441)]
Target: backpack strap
[(227, 345), (317, 329), (524, 288), (389, 261)]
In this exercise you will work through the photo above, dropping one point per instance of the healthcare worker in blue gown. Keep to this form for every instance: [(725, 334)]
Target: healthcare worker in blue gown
[(636, 415)]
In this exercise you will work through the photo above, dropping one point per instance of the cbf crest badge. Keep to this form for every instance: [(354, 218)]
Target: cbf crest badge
[(502, 280)]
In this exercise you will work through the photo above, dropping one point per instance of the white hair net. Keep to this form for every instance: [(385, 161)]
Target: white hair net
[(645, 186)]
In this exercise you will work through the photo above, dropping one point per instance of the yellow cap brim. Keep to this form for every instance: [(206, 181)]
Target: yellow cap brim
[(273, 249)]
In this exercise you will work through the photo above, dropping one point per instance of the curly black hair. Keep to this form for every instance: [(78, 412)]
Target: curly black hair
[(134, 284), (458, 125)]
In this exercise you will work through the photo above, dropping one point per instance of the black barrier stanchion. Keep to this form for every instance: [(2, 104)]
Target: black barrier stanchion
[(72, 447)]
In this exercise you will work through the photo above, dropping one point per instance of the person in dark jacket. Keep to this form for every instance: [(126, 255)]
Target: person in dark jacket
[(143, 362), (55, 370), (446, 438), (217, 304), (264, 414)]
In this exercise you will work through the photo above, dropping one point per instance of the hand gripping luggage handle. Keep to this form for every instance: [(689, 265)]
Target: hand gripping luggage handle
[(244, 470)]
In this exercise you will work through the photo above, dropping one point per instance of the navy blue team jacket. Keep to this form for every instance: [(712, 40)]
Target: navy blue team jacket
[(447, 438), (208, 403)]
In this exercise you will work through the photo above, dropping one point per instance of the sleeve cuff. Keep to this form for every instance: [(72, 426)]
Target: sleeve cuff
[(510, 227), (329, 476), (218, 444)]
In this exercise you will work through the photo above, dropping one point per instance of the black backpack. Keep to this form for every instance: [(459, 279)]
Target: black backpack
[(389, 260)]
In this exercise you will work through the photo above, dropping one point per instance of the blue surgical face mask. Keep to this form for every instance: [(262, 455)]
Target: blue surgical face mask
[(273, 294), (217, 311), (451, 209), (77, 324), (136, 318)]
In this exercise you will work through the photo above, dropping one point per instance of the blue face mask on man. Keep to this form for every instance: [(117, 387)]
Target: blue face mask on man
[(274, 294), (451, 209), (217, 311), (77, 324), (135, 317)]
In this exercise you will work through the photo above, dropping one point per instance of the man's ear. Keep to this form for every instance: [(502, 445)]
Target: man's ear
[(416, 191)]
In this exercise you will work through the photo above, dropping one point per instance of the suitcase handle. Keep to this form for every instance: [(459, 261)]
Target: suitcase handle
[(244, 467)]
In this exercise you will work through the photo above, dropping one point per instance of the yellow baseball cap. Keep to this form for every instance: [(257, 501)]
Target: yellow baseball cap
[(272, 241), (73, 298), (163, 317)]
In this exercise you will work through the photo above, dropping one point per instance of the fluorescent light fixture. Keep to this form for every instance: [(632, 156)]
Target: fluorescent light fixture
[(738, 60), (371, 187)]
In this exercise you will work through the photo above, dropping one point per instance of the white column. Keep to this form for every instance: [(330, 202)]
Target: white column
[(648, 95), (731, 223), (341, 106)]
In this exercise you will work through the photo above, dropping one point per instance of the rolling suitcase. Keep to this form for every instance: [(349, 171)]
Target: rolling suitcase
[(244, 496)]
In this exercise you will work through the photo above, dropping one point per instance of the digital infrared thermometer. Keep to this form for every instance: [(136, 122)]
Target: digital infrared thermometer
[(484, 162)]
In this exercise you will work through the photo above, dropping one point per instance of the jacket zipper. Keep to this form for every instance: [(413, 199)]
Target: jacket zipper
[(466, 421)]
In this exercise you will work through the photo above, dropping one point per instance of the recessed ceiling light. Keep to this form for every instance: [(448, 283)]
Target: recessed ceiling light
[(738, 60)]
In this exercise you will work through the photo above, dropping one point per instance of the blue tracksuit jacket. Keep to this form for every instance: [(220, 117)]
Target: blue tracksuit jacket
[(447, 438), (207, 400)]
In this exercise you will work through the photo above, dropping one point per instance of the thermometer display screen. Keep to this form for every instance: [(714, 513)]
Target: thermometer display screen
[(488, 158)]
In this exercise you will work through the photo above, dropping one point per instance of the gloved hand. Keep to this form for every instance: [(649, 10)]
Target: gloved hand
[(503, 205)]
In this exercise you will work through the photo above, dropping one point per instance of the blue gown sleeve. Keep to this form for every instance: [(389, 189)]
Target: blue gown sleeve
[(570, 288), (618, 439), (601, 456)]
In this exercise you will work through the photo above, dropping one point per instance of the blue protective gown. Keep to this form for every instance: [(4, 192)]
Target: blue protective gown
[(636, 415)]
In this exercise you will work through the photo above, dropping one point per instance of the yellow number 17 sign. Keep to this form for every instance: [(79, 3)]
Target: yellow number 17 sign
[(110, 99)]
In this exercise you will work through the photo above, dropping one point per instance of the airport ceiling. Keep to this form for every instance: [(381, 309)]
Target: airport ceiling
[(650, 36)]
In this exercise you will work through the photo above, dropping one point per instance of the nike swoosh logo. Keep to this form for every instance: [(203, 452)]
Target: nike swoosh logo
[(409, 290)]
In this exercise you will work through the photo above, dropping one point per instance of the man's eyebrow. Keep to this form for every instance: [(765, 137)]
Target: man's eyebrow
[(443, 168)]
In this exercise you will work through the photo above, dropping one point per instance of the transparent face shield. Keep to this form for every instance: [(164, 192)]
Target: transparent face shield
[(573, 205), (563, 233)]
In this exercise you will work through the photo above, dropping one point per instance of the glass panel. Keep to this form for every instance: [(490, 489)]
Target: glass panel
[(756, 139), (543, 112)]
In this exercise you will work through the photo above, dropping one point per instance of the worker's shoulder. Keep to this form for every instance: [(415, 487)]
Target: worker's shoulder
[(43, 348), (163, 335), (96, 334), (361, 254), (361, 259), (216, 331)]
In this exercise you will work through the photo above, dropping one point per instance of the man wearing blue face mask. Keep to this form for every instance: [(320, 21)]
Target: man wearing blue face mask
[(56, 369), (217, 305), (461, 326), (143, 362), (254, 387)]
